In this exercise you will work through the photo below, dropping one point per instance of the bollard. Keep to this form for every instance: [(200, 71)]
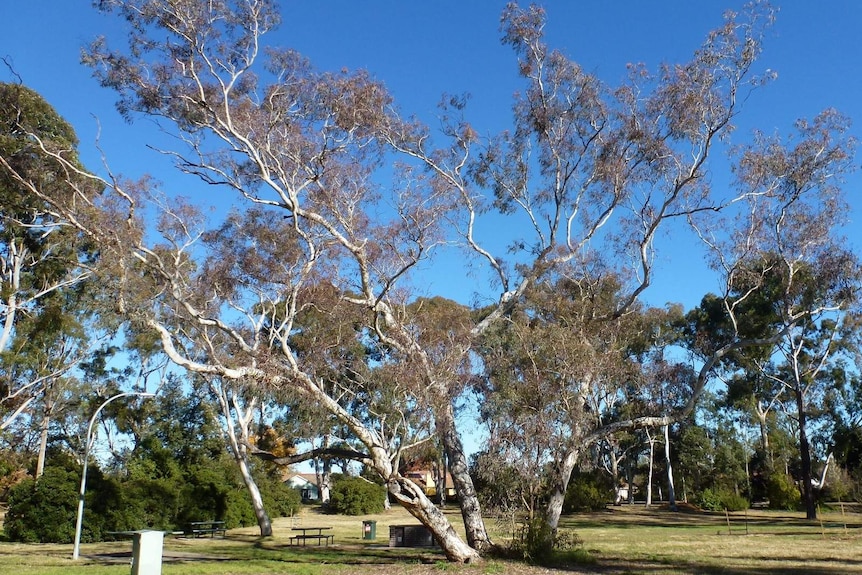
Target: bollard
[(147, 552)]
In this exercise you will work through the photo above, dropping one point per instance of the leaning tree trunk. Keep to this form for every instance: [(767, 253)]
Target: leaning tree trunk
[(240, 455), (43, 444), (240, 451), (414, 500), (49, 401), (263, 522), (559, 484), (471, 511)]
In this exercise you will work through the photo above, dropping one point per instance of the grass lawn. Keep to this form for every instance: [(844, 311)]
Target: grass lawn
[(633, 539), (621, 540)]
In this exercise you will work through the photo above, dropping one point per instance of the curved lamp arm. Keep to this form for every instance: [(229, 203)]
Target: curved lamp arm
[(79, 521)]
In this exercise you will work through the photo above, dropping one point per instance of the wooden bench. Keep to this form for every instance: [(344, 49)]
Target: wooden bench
[(204, 528), (313, 534)]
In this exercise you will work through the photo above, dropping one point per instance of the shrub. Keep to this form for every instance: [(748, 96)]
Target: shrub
[(734, 502), (782, 492), (356, 496), (280, 499), (13, 470), (839, 486), (538, 543), (44, 510), (587, 493), (136, 504), (721, 499)]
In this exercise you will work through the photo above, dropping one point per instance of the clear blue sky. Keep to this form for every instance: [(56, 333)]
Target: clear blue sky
[(422, 49)]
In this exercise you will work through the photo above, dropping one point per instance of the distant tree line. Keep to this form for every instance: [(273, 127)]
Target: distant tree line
[(174, 472)]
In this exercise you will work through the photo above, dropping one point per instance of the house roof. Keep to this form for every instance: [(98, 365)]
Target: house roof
[(302, 478)]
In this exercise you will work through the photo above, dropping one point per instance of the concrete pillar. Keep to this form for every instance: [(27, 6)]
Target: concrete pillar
[(147, 552)]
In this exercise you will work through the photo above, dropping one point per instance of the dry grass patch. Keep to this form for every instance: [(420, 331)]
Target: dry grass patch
[(755, 542)]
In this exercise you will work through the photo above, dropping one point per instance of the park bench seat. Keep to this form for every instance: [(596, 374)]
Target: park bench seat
[(307, 534), (321, 539), (204, 528)]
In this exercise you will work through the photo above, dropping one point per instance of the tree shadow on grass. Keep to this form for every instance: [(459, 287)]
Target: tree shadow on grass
[(637, 517), (348, 554), (757, 566)]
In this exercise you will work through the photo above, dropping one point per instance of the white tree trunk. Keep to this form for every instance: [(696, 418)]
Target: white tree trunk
[(237, 432), (671, 493), (263, 521), (43, 441), (323, 472), (649, 476), (560, 483), (414, 500)]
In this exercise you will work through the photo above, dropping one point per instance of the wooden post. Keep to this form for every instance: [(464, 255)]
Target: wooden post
[(843, 517), (822, 530)]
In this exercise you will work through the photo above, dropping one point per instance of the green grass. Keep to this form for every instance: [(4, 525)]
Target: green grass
[(619, 540)]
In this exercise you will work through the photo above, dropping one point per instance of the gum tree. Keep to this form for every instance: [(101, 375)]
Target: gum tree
[(303, 146), (594, 171), (791, 284), (44, 261)]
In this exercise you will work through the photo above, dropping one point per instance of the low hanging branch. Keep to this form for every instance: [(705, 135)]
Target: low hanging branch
[(318, 453)]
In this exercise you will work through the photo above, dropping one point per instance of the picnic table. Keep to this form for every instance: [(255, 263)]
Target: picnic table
[(202, 528), (313, 533)]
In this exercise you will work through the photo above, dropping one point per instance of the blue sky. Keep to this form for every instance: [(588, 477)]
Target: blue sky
[(421, 50)]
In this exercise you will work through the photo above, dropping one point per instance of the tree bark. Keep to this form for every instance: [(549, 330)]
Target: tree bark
[(323, 471), (414, 500), (560, 483), (764, 434), (234, 431), (43, 441), (805, 459), (240, 455), (260, 513), (671, 492), (471, 511), (649, 476)]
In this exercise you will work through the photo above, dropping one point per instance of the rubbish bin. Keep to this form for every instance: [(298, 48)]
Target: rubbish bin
[(147, 552), (369, 529)]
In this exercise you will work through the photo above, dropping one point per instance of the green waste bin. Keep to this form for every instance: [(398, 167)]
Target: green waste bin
[(369, 529)]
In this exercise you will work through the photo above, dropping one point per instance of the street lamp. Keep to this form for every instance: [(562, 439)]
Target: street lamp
[(88, 444)]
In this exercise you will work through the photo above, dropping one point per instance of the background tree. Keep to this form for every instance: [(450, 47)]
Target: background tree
[(807, 366), (562, 377), (43, 260), (785, 237)]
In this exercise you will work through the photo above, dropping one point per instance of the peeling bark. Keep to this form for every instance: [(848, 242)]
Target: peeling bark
[(471, 511), (414, 500)]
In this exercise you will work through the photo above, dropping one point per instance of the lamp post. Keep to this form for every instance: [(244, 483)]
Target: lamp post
[(88, 444)]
